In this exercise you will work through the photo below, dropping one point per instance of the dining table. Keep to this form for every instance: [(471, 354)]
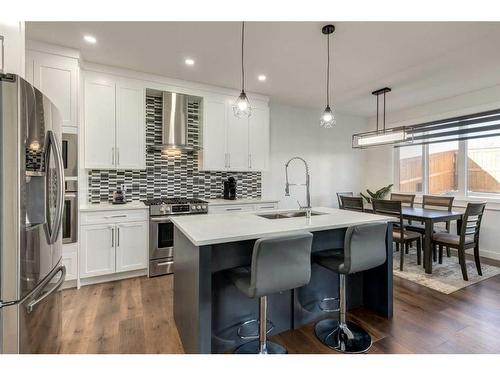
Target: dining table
[(430, 217)]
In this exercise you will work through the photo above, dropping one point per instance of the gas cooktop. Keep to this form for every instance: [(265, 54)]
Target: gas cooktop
[(173, 206)]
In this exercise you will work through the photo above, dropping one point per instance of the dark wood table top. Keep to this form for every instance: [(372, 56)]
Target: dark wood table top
[(419, 213)]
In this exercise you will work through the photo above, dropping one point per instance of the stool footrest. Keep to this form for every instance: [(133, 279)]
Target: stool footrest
[(330, 304), (250, 329)]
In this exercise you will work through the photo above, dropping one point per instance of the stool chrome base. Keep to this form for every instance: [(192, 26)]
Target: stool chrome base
[(349, 339), (253, 347)]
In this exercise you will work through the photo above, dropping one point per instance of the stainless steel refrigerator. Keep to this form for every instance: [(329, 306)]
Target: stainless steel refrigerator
[(31, 207)]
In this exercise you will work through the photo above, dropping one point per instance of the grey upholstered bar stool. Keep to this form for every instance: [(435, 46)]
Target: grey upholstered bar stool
[(364, 248), (278, 263)]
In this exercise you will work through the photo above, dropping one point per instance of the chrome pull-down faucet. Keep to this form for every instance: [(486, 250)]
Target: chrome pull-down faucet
[(307, 184)]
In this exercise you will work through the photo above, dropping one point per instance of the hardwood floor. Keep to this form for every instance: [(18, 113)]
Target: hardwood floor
[(136, 316)]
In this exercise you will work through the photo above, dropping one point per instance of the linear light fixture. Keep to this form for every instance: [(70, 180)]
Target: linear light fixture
[(382, 136)]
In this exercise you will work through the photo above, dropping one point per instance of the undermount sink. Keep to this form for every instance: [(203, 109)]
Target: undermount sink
[(288, 215)]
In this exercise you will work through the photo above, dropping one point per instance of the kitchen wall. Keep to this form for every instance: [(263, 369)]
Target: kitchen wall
[(172, 176), (334, 165), (379, 164)]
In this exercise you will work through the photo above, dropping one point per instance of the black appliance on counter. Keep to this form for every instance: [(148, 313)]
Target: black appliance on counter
[(161, 230), (230, 188)]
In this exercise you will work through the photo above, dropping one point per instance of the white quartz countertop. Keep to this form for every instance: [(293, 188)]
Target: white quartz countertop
[(220, 228), (225, 202), (134, 205)]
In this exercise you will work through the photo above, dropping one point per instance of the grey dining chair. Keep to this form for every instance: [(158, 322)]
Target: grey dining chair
[(400, 235), (343, 194), (352, 203), (468, 238)]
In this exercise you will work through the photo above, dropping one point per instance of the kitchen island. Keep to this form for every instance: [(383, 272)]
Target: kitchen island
[(208, 309)]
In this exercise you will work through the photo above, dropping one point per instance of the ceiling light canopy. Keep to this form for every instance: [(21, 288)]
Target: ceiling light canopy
[(242, 107), (90, 39), (384, 136), (328, 118)]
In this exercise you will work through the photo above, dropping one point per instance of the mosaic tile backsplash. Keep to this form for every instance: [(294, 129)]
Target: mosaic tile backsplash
[(173, 176)]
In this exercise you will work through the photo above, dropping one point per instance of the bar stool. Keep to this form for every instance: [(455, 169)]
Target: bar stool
[(278, 263), (364, 248)]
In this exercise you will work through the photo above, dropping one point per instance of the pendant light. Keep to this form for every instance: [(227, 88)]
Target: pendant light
[(242, 107), (328, 118), (383, 136)]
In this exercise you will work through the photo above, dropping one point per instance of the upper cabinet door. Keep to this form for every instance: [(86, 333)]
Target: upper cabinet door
[(258, 139), (57, 77), (130, 126), (99, 123), (236, 141), (214, 134)]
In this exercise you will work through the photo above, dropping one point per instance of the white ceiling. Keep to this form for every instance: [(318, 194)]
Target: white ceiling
[(420, 61)]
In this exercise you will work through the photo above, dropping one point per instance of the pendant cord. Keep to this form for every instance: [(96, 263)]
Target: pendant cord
[(377, 113), (384, 111), (242, 60), (328, 72)]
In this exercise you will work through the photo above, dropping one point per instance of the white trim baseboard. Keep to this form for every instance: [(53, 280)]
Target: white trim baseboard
[(113, 277)]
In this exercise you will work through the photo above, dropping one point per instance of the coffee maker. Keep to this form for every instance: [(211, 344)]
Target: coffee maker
[(230, 188)]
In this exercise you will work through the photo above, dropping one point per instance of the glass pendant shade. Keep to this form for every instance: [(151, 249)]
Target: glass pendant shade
[(241, 108), (328, 118)]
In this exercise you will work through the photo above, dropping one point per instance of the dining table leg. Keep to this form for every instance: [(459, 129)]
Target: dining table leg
[(427, 246)]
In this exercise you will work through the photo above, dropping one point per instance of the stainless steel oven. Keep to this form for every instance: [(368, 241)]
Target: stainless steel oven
[(70, 154), (161, 246), (161, 230), (70, 213)]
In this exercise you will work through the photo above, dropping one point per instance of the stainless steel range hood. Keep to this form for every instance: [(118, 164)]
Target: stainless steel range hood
[(174, 124)]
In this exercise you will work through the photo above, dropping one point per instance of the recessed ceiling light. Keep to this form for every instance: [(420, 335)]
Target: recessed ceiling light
[(189, 62), (262, 77), (90, 39)]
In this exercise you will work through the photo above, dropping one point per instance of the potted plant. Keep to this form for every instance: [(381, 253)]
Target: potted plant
[(379, 194)]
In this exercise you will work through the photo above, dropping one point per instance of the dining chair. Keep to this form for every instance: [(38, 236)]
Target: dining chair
[(352, 203), (400, 235), (467, 239), (435, 203), (407, 200), (344, 194)]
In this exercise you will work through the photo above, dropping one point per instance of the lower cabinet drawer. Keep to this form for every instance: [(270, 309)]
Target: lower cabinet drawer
[(111, 217), (161, 267), (266, 206)]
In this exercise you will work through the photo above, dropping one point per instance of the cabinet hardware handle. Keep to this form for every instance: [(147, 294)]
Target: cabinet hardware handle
[(163, 263), (250, 161), (225, 160), (113, 216), (118, 237), (112, 237), (229, 160), (113, 155), (233, 209), (118, 156), (266, 206)]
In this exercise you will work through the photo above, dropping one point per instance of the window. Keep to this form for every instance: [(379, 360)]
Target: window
[(410, 169), (443, 168), (483, 165)]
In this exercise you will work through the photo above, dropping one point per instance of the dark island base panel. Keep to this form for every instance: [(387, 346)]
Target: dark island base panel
[(208, 309)]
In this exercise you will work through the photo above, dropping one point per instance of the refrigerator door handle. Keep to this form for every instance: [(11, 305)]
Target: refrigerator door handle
[(54, 233), (32, 304)]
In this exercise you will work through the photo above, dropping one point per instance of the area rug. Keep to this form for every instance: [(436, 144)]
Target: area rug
[(445, 278)]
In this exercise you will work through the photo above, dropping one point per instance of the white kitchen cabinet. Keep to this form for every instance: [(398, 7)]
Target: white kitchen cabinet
[(237, 141), (97, 250), (241, 207), (99, 123), (232, 144), (131, 242), (70, 261), (113, 241), (12, 47), (258, 139), (57, 77), (130, 126), (214, 134), (114, 123)]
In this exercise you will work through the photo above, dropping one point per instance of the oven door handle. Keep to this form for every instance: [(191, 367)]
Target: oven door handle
[(160, 220)]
